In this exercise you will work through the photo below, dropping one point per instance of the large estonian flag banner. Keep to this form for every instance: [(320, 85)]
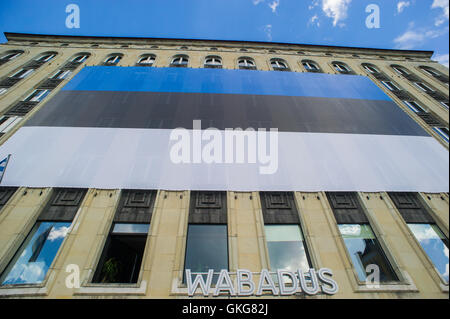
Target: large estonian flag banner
[(110, 127)]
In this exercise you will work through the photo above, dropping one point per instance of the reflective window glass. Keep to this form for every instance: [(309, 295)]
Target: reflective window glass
[(434, 244), (130, 228), (32, 261), (364, 249), (206, 248), (286, 248)]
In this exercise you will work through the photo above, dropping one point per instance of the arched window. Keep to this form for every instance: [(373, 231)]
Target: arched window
[(180, 61), (10, 55), (279, 65), (341, 67), (213, 61), (400, 70), (435, 73), (311, 66), (245, 63), (113, 59), (370, 68), (46, 57), (146, 60), (80, 57)]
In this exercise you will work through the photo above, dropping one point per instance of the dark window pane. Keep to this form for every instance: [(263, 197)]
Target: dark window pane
[(435, 245), (365, 250), (32, 261), (206, 248), (286, 248), (121, 259)]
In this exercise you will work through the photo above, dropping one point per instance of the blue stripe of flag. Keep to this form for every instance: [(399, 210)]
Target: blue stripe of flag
[(220, 81)]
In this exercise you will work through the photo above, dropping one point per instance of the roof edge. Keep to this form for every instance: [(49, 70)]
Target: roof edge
[(14, 35)]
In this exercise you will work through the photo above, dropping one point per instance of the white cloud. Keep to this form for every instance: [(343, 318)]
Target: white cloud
[(274, 5), (412, 39), (336, 9), (442, 59), (57, 233), (314, 20), (256, 2), (443, 4), (268, 31), (402, 5)]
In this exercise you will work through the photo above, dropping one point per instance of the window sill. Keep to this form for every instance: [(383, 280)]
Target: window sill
[(113, 289), (23, 290)]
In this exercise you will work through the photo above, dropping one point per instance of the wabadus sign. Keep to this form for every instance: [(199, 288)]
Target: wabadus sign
[(288, 282)]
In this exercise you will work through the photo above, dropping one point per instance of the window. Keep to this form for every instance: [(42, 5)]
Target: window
[(284, 236), (390, 85), (442, 131), (11, 56), (435, 73), (286, 247), (46, 57), (147, 60), (310, 66), (33, 259), (3, 91), (341, 67), (400, 70), (445, 104), (430, 71), (60, 74), (22, 73), (207, 235), (414, 106), (360, 241), (213, 62), (123, 252), (37, 95), (435, 245), (206, 248), (423, 87), (113, 59), (80, 58), (180, 61), (424, 229), (370, 68), (279, 65), (246, 64), (364, 250)]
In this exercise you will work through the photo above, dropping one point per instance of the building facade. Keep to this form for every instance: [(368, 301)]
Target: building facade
[(130, 243)]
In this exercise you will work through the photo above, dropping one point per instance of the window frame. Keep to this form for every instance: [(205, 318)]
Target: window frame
[(415, 108), (151, 57), (105, 248), (310, 66), (25, 74), (280, 64), (391, 86), (249, 63), (425, 88), (214, 62), (341, 67), (181, 58), (402, 284), (371, 68), (37, 97)]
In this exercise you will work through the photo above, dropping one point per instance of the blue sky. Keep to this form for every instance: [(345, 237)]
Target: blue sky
[(405, 24)]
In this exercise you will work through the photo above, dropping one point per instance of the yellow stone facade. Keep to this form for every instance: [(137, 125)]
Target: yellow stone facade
[(163, 262)]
